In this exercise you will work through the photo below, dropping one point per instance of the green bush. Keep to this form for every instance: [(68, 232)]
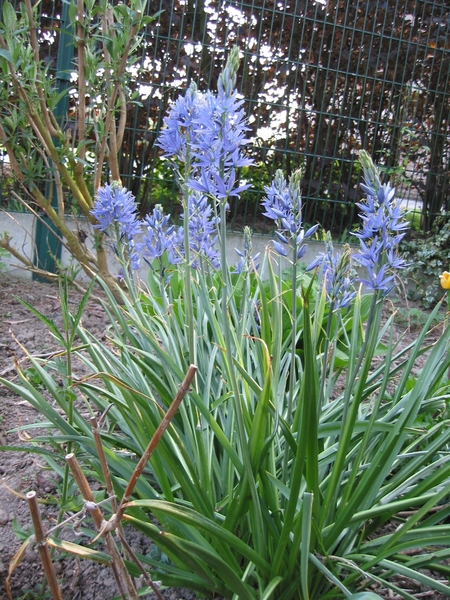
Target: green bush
[(428, 257), (252, 497)]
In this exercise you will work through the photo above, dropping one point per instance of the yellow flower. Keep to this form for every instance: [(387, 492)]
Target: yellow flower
[(445, 280)]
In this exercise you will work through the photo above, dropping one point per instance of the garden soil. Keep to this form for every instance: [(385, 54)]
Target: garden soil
[(20, 472)]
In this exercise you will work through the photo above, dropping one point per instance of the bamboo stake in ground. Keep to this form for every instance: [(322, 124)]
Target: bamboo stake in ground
[(123, 579), (44, 552), (182, 391), (104, 528), (127, 550)]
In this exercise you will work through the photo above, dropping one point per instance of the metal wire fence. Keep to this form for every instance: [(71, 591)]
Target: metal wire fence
[(321, 80)]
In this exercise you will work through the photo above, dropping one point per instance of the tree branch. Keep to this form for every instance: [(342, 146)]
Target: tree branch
[(34, 44)]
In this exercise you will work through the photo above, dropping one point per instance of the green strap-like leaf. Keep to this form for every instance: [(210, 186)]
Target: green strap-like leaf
[(195, 519), (46, 320), (219, 566), (6, 55)]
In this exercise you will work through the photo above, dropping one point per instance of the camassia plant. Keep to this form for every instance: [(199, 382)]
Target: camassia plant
[(298, 465)]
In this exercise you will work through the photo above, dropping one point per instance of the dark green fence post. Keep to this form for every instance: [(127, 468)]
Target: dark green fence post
[(47, 246)]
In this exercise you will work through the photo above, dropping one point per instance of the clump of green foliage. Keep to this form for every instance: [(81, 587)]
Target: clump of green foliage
[(414, 318), (428, 257), (305, 435)]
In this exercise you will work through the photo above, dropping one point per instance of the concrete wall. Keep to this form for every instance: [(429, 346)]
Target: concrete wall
[(21, 227)]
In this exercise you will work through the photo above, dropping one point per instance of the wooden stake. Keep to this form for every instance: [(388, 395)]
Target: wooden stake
[(44, 552), (123, 579), (182, 391)]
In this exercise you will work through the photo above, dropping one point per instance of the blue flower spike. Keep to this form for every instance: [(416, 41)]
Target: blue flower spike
[(283, 204), (115, 207), (383, 228)]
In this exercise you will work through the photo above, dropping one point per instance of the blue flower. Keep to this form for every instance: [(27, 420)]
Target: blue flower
[(383, 228), (216, 186), (336, 273), (207, 132), (246, 262), (163, 239), (283, 204), (134, 255), (202, 231), (180, 125), (160, 237), (115, 204), (217, 146), (115, 207), (379, 279)]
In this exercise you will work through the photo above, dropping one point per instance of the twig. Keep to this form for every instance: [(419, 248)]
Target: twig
[(410, 513), (112, 102), (128, 551), (103, 463), (18, 494), (38, 82), (19, 322), (44, 552), (140, 566), (123, 579), (103, 527), (81, 513), (106, 472), (29, 357), (182, 391), (81, 41), (84, 258), (90, 257), (104, 413)]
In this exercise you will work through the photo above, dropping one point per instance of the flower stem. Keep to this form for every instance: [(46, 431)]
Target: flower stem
[(243, 438), (292, 377), (187, 264)]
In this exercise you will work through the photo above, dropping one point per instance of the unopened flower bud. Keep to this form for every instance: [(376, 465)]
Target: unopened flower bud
[(371, 175)]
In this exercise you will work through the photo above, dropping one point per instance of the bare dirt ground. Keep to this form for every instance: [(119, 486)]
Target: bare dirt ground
[(80, 580)]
